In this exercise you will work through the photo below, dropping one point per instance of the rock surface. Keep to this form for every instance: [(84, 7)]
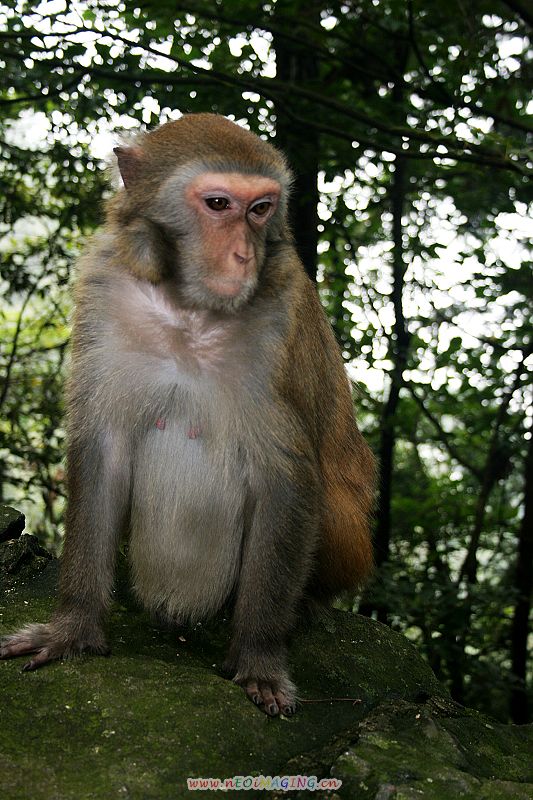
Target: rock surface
[(137, 724), (11, 523)]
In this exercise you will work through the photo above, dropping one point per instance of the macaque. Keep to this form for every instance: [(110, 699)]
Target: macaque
[(210, 418)]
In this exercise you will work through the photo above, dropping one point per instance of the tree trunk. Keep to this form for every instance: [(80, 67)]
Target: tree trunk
[(399, 347), (296, 64), (520, 712)]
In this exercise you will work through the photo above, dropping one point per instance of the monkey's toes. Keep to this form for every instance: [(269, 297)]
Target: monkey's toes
[(27, 641), (269, 700), (39, 659), (50, 642), (18, 644)]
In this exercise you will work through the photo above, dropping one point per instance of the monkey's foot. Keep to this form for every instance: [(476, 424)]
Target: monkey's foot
[(272, 696), (264, 678), (49, 643)]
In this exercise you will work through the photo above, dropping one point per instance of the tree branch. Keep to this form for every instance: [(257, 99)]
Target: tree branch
[(444, 437)]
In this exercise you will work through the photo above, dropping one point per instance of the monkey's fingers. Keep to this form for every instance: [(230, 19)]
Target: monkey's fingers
[(286, 704), (262, 697), (36, 639), (29, 639), (41, 657), (270, 701), (17, 645), (22, 646)]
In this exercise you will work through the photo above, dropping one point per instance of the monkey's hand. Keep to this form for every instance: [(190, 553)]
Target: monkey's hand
[(273, 692), (63, 637), (274, 696)]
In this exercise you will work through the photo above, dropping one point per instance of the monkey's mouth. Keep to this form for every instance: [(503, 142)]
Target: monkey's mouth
[(228, 287)]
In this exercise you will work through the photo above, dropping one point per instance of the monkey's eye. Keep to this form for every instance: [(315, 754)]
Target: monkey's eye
[(217, 203), (261, 209)]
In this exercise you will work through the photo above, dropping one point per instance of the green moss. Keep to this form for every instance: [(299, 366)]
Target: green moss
[(406, 750), (137, 724)]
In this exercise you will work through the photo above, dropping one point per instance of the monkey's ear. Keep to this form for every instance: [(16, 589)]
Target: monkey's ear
[(130, 162)]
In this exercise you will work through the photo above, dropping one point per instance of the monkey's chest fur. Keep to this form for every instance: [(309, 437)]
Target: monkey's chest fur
[(186, 517), (189, 404)]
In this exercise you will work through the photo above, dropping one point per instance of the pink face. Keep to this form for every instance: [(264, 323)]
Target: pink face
[(232, 210)]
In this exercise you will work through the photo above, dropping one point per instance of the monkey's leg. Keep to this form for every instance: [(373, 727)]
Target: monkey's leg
[(98, 492), (277, 558)]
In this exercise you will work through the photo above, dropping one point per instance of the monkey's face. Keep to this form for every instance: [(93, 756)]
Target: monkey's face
[(205, 201), (229, 215)]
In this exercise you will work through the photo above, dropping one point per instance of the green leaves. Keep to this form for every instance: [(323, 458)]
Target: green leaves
[(355, 90)]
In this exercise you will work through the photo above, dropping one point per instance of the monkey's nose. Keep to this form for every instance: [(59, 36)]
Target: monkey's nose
[(243, 259)]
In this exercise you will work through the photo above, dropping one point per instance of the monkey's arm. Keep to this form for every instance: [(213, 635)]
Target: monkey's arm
[(98, 488), (277, 557)]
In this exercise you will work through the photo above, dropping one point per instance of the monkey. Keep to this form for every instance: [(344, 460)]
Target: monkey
[(209, 415)]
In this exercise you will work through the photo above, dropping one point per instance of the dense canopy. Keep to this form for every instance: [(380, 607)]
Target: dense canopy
[(406, 123)]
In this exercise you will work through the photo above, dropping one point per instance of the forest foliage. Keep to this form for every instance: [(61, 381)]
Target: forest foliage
[(406, 122)]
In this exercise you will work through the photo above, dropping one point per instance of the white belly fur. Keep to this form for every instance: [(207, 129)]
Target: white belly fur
[(187, 519), (188, 494)]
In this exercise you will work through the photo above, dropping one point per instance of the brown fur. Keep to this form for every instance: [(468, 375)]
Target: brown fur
[(210, 415), (314, 377)]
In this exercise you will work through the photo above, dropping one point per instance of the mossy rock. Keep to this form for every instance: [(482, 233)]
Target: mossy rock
[(21, 560), (137, 724), (11, 523)]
